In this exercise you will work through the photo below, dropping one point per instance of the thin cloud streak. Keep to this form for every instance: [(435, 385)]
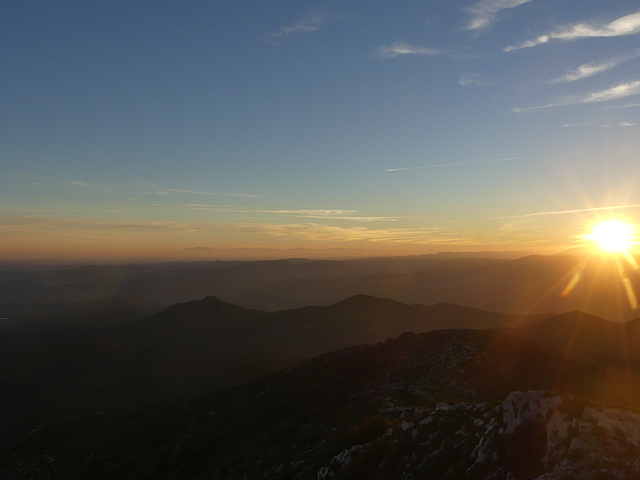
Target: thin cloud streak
[(308, 213), (630, 105), (317, 212), (473, 79), (627, 25), (80, 183), (307, 24), (581, 124), (587, 70), (562, 212), (619, 125), (329, 215), (16, 223), (614, 92), (345, 217), (196, 192), (402, 48), (209, 207), (87, 228), (485, 12), (324, 233), (441, 165)]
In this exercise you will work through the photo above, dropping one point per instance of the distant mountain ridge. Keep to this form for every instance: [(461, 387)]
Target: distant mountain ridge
[(577, 333), (532, 284)]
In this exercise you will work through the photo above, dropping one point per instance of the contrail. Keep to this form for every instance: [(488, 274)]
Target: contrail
[(561, 212), (440, 165), (196, 192), (580, 210)]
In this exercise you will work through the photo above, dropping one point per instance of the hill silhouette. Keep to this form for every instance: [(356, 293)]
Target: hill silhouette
[(577, 333)]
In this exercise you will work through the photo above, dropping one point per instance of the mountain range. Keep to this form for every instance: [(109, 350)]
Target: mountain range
[(601, 285)]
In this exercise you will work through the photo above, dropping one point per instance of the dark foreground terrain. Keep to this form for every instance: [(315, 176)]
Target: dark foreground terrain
[(53, 374), (448, 404)]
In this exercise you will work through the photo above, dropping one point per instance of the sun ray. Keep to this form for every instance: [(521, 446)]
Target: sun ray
[(575, 279)]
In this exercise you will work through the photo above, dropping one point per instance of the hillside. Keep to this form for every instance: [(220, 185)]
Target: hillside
[(449, 404), (577, 333), (52, 375)]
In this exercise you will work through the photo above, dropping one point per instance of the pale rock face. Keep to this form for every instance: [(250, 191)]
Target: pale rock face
[(616, 421), (578, 440), (343, 458), (557, 429), (520, 406)]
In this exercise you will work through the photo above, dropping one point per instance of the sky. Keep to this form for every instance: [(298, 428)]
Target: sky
[(153, 128)]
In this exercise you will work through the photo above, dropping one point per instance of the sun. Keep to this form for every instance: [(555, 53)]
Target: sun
[(612, 236)]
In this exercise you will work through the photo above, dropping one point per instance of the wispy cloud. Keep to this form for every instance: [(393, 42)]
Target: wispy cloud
[(208, 207), (166, 191), (564, 212), (324, 233), (325, 214), (307, 24), (614, 92), (620, 125), (80, 183), (627, 25), (586, 70), (317, 212), (403, 48), (629, 105), (485, 12), (441, 165), (590, 69), (474, 79), (331, 215), (89, 228), (580, 124), (39, 222)]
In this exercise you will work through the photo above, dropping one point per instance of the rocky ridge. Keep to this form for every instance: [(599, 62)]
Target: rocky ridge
[(529, 435)]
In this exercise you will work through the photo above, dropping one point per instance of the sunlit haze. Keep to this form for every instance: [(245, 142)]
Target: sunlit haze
[(154, 130)]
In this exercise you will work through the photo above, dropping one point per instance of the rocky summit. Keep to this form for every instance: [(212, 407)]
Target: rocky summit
[(529, 435)]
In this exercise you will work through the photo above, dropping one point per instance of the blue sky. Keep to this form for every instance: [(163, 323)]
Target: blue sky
[(132, 128)]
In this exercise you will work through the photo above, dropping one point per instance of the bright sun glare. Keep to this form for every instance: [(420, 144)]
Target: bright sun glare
[(612, 236)]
